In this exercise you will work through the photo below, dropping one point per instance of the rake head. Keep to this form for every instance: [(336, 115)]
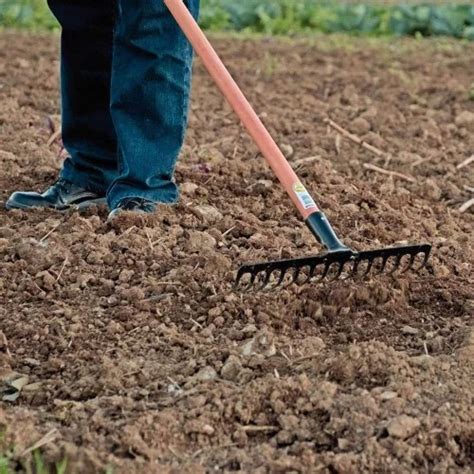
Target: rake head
[(330, 266)]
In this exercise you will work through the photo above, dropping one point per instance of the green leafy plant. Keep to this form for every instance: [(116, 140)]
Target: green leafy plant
[(33, 14), (4, 465), (446, 20), (61, 466)]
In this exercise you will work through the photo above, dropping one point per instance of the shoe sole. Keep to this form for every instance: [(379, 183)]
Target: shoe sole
[(82, 205)]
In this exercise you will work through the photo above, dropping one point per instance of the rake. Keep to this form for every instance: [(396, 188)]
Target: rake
[(339, 261)]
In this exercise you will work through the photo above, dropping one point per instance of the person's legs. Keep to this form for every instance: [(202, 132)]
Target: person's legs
[(86, 65), (87, 128), (151, 75)]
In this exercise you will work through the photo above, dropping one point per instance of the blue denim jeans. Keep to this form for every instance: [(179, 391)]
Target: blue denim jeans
[(125, 82)]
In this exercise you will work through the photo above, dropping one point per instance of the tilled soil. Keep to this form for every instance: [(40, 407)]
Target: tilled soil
[(131, 349)]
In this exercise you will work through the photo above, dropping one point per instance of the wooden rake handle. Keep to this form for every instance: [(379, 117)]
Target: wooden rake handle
[(216, 68)]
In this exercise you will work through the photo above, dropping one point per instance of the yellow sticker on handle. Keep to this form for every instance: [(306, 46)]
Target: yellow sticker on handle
[(303, 196)]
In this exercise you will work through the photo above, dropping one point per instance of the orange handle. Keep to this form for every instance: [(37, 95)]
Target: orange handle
[(270, 150)]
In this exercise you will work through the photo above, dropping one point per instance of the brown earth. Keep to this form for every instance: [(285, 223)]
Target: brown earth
[(139, 357)]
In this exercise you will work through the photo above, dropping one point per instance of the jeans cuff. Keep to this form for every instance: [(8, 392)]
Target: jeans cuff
[(83, 180), (119, 191)]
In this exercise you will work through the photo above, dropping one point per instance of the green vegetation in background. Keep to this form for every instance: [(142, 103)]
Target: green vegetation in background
[(290, 17), (30, 14), (297, 16)]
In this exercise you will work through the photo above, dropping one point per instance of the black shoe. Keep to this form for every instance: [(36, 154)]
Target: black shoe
[(61, 196), (137, 205)]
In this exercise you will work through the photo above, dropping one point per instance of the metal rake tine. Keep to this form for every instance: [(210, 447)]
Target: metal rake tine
[(307, 277), (246, 286), (349, 271), (369, 266), (240, 275), (293, 276), (282, 277), (252, 279), (338, 274), (263, 284), (271, 286), (425, 260), (341, 269), (249, 285), (327, 265), (355, 267), (396, 264), (311, 274), (384, 264), (410, 264), (267, 285), (312, 268), (426, 257), (296, 274)]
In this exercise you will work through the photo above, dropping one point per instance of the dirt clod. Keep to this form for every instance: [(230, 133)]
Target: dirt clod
[(209, 214), (189, 188), (409, 330), (403, 427), (231, 368), (466, 120), (207, 373), (200, 241), (262, 343), (360, 126)]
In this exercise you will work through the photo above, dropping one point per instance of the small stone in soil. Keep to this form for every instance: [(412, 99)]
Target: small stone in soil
[(466, 120), (409, 330), (206, 373), (262, 344), (231, 368), (403, 427), (287, 150), (199, 241), (388, 395), (208, 214), (360, 126), (189, 188), (263, 185), (197, 426)]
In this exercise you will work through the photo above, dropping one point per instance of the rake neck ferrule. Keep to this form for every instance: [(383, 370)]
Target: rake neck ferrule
[(321, 228)]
